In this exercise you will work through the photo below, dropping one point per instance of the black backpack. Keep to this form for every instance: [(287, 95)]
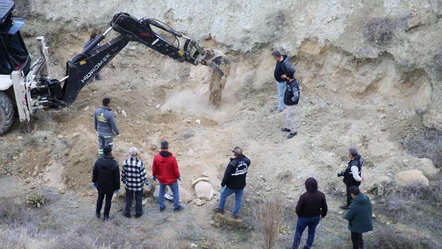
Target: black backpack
[(288, 94)]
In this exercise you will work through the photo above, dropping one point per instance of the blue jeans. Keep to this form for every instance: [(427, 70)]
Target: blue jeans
[(303, 223), (138, 201), (282, 86), (238, 198), (175, 191)]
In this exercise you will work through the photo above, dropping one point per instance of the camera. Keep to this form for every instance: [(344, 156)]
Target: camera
[(342, 173)]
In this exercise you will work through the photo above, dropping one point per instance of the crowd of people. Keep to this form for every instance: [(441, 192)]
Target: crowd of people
[(311, 206)]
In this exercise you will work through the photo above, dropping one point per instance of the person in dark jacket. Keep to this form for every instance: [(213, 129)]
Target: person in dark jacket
[(106, 179), (359, 216), (352, 174), (291, 99), (105, 126), (87, 43), (282, 67), (311, 207), (234, 181), (165, 169)]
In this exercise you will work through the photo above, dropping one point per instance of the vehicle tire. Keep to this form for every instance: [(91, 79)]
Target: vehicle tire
[(6, 113)]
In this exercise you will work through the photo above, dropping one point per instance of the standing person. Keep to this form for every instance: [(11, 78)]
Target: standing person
[(291, 99), (105, 126), (311, 207), (87, 43), (165, 169), (352, 174), (134, 177), (282, 67), (359, 217), (106, 179), (234, 181)]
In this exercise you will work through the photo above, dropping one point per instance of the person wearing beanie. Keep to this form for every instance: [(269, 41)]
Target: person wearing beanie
[(311, 207), (352, 174), (133, 175), (359, 216), (106, 179), (282, 67), (105, 126), (165, 169)]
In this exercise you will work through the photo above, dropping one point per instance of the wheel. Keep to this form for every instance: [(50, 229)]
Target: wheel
[(6, 113)]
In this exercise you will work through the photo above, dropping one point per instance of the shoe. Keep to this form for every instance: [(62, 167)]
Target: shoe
[(235, 217), (291, 135), (345, 207), (285, 129), (219, 210), (162, 208), (278, 111), (108, 218), (138, 216), (178, 209), (98, 215), (127, 215), (98, 77)]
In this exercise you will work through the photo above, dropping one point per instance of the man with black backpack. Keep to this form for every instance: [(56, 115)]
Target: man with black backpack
[(291, 99), (352, 174)]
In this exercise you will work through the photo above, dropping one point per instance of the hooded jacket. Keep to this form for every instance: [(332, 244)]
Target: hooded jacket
[(282, 68), (236, 172), (312, 203), (106, 174), (104, 122), (359, 214), (165, 167)]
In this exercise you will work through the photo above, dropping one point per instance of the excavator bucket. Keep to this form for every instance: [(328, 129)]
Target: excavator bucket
[(220, 64)]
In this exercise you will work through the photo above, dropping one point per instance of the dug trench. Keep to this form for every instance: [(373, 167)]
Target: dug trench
[(372, 104)]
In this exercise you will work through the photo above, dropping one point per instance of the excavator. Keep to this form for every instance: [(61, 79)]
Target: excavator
[(26, 87)]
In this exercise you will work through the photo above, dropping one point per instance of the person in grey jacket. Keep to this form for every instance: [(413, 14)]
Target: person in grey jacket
[(105, 126), (283, 67)]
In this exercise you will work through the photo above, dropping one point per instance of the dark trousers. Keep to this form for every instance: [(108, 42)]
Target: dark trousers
[(107, 205), (349, 199), (303, 223), (357, 240), (138, 201)]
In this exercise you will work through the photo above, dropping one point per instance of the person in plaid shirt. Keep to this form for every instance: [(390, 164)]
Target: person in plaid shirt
[(134, 177)]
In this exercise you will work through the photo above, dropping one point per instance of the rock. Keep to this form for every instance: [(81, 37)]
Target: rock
[(187, 120), (411, 176), (19, 138), (153, 147), (193, 245), (123, 112), (427, 167), (228, 220), (198, 121), (158, 106), (373, 216), (204, 191), (199, 202), (205, 174), (86, 108), (433, 120), (60, 136), (62, 191), (205, 179), (190, 153)]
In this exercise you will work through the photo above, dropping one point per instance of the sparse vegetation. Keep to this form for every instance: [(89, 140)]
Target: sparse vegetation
[(269, 217), (426, 143), (36, 200)]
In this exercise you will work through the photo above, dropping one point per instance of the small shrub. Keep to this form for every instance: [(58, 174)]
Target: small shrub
[(36, 200), (269, 217)]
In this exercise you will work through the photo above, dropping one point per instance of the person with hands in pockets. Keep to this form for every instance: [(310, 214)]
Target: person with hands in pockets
[(133, 175), (106, 179), (165, 169)]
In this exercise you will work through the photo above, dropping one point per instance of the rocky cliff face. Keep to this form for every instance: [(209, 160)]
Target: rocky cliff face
[(408, 31)]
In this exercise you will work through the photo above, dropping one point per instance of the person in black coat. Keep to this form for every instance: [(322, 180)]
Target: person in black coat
[(106, 179), (311, 207)]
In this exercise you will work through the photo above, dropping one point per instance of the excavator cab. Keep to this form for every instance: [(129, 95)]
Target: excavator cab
[(13, 53)]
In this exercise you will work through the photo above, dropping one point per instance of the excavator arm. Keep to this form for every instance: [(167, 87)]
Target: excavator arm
[(84, 66)]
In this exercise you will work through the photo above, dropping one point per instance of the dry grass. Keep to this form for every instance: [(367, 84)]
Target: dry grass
[(269, 219)]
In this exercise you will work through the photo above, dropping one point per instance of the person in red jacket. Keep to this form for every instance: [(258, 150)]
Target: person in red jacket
[(165, 169)]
